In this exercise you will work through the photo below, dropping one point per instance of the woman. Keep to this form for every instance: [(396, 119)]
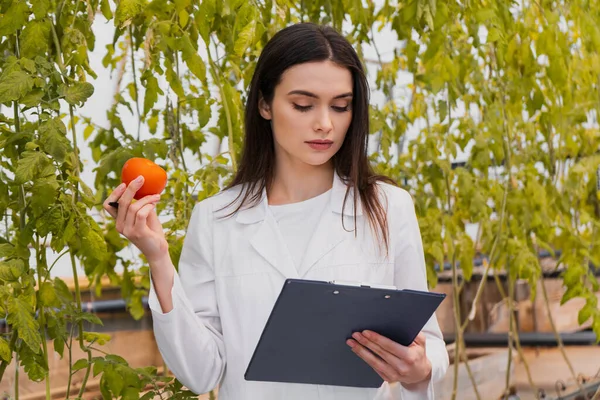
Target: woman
[(303, 204)]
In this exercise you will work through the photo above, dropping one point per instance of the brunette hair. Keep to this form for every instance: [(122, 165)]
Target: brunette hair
[(297, 44)]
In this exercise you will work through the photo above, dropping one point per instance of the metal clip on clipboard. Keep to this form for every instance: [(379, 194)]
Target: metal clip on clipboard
[(363, 284)]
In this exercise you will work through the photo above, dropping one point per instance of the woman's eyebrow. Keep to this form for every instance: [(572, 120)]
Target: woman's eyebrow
[(309, 94)]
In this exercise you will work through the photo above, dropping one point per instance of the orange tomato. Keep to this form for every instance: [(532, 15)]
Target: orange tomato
[(155, 178)]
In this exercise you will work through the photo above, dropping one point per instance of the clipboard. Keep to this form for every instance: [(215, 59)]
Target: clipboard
[(304, 339)]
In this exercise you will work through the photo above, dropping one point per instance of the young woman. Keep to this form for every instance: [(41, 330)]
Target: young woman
[(304, 204)]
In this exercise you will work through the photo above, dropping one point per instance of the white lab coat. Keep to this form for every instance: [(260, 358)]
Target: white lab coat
[(232, 269)]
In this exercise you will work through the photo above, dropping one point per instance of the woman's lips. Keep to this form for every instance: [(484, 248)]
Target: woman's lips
[(320, 144)]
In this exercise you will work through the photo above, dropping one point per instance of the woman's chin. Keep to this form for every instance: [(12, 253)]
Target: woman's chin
[(318, 160)]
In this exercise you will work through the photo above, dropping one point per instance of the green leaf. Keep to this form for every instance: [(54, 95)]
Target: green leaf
[(91, 318), (28, 65), (33, 98), (35, 38), (127, 10), (585, 313), (494, 35), (105, 8), (44, 194), (184, 17), (116, 359), (40, 8), (53, 139), (155, 148), (596, 326), (11, 270), (59, 346), (47, 295), (80, 364), (245, 38), (7, 250), (87, 132), (33, 363), (114, 381), (130, 393), (466, 255), (78, 93), (70, 229), (30, 165), (20, 316), (571, 293), (99, 365), (14, 86), (152, 91), (14, 19), (5, 350), (192, 59), (93, 245)]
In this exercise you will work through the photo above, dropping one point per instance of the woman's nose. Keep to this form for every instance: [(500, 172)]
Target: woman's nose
[(323, 122)]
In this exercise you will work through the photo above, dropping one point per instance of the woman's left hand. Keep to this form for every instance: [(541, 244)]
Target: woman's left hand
[(394, 362)]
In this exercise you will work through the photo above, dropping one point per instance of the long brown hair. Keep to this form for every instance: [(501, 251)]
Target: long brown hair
[(297, 44)]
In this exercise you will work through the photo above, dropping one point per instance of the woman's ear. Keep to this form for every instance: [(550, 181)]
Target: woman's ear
[(264, 109)]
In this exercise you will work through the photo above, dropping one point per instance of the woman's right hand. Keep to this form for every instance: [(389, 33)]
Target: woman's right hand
[(138, 221)]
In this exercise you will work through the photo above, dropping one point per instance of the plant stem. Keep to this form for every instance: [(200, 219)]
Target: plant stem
[(135, 85), (17, 375), (73, 264), (216, 76), (469, 372), (42, 316), (70, 347), (80, 326), (459, 333), (517, 341), (4, 364), (557, 335), (516, 337), (511, 293)]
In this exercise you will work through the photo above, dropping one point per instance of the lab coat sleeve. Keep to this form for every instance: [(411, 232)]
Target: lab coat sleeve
[(410, 272), (189, 337)]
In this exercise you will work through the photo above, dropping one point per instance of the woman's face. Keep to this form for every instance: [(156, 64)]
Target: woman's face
[(310, 112)]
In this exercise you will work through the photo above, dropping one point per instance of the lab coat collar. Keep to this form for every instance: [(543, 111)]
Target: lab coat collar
[(258, 212)]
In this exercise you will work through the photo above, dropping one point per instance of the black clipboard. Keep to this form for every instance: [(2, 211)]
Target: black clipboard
[(304, 339)]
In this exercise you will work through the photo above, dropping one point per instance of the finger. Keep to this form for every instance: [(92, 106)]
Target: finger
[(388, 357), (421, 339), (134, 209), (125, 201), (375, 362), (141, 216), (383, 375), (402, 352), (154, 223), (114, 196)]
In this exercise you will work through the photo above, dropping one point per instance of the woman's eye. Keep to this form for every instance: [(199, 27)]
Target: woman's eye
[(341, 109), (302, 108)]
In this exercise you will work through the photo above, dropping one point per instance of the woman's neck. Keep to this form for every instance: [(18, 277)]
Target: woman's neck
[(293, 184)]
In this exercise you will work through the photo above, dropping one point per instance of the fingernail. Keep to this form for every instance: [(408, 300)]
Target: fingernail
[(367, 334), (139, 179), (356, 335), (350, 343), (121, 186)]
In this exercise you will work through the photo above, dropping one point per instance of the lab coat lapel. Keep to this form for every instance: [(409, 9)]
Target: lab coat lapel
[(267, 240), (330, 231)]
